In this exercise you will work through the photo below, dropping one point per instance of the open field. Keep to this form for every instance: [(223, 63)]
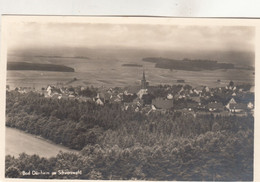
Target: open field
[(18, 141), (111, 73)]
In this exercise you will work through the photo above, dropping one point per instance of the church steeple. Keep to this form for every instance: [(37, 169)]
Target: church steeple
[(144, 83), (144, 76)]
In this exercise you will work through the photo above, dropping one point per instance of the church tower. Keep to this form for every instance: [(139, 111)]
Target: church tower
[(144, 83)]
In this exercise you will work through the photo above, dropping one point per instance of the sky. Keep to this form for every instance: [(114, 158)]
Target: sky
[(144, 36)]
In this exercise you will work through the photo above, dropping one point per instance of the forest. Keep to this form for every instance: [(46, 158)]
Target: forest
[(126, 145), (188, 64), (38, 66), (132, 65)]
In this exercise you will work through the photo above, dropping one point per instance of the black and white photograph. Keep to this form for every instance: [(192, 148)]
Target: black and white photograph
[(129, 98)]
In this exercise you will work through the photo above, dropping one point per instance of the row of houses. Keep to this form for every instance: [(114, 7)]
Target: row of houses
[(133, 97), (232, 106), (160, 103)]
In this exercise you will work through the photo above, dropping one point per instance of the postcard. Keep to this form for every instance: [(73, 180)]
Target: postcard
[(129, 98)]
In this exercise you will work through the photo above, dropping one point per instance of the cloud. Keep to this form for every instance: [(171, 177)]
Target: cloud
[(161, 37)]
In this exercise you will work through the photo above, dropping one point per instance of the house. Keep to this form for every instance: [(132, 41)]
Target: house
[(215, 107), (199, 88), (196, 91), (56, 96), (84, 99), (104, 96), (250, 105), (26, 89), (235, 107), (141, 93), (192, 106), (169, 96), (133, 89), (137, 109), (252, 89), (117, 100), (52, 90), (238, 107), (161, 103), (49, 90), (206, 89), (181, 90), (138, 102), (232, 101), (126, 106), (196, 99), (99, 102)]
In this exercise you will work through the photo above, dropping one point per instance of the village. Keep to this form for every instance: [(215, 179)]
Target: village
[(229, 100)]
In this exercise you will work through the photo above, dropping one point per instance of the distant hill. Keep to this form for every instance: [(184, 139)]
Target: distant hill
[(38, 66), (187, 64), (133, 65), (76, 57), (236, 57)]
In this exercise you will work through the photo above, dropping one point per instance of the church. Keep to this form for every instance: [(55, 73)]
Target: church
[(144, 83), (144, 86)]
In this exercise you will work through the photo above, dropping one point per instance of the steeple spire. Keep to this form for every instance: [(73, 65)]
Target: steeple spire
[(144, 83), (144, 75)]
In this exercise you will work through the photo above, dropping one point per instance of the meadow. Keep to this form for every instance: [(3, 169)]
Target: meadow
[(18, 142), (109, 72)]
